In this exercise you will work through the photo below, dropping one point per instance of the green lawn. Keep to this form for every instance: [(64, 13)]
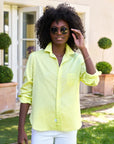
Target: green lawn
[(8, 130), (100, 134)]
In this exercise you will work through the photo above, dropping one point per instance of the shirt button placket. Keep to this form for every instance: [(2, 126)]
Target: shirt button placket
[(58, 99)]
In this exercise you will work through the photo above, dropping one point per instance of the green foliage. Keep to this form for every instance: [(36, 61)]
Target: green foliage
[(103, 66), (6, 74), (105, 43), (5, 41)]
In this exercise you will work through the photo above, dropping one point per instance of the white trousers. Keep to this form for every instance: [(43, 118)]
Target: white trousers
[(53, 137)]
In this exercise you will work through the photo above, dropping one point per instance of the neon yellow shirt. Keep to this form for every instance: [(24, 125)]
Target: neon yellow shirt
[(53, 90)]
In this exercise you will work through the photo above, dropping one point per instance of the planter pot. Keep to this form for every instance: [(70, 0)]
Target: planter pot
[(105, 86), (7, 96)]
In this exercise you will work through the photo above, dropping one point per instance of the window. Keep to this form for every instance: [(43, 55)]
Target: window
[(6, 30)]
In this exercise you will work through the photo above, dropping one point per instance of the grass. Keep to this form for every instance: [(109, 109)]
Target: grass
[(100, 134), (8, 130), (93, 109)]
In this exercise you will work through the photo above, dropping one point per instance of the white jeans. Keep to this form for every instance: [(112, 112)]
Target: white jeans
[(53, 137)]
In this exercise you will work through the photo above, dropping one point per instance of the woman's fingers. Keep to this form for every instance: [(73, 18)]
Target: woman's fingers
[(78, 38), (77, 33)]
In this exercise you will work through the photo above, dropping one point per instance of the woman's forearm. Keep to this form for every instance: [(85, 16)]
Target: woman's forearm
[(22, 116), (23, 112)]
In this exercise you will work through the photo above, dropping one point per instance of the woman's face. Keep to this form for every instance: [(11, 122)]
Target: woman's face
[(59, 32)]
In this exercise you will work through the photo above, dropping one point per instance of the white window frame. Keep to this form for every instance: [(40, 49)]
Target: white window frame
[(7, 8)]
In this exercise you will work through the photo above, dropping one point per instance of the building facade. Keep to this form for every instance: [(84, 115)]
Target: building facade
[(18, 19)]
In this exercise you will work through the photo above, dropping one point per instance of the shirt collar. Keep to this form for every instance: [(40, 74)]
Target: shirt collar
[(69, 51)]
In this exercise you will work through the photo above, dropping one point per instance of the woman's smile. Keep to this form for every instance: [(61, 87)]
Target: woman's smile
[(59, 38)]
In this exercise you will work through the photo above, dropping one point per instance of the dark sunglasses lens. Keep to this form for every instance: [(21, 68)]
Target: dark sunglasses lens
[(54, 30), (64, 30)]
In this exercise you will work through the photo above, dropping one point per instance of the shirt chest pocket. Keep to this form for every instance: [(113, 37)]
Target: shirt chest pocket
[(71, 79)]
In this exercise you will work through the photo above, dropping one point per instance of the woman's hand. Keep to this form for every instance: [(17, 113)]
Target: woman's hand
[(78, 38), (22, 137)]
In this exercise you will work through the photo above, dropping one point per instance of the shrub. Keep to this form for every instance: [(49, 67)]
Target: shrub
[(105, 43), (5, 41), (6, 74), (104, 67)]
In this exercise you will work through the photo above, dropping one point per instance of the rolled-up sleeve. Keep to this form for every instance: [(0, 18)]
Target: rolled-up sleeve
[(26, 89), (89, 79)]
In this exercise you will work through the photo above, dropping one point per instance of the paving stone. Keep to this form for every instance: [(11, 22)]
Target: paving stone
[(90, 100)]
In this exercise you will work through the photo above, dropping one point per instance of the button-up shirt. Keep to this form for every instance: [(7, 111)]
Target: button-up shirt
[(53, 90)]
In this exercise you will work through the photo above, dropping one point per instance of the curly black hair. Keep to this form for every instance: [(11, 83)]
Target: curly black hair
[(51, 14)]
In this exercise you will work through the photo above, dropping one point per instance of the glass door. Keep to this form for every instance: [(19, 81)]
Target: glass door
[(27, 38)]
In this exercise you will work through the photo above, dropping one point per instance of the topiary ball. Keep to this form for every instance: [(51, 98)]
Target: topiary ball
[(104, 67), (5, 41), (105, 43), (6, 74)]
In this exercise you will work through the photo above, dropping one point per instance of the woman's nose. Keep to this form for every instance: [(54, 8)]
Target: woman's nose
[(59, 31)]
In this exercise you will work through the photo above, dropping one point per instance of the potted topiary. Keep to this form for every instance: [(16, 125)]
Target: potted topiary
[(5, 41), (104, 67), (106, 84), (6, 74), (7, 87)]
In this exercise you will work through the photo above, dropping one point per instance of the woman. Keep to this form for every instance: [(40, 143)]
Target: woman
[(52, 78)]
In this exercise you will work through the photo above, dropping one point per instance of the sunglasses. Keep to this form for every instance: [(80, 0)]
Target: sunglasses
[(63, 30)]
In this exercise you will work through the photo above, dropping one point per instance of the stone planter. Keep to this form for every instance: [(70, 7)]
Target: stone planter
[(105, 86), (7, 96)]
